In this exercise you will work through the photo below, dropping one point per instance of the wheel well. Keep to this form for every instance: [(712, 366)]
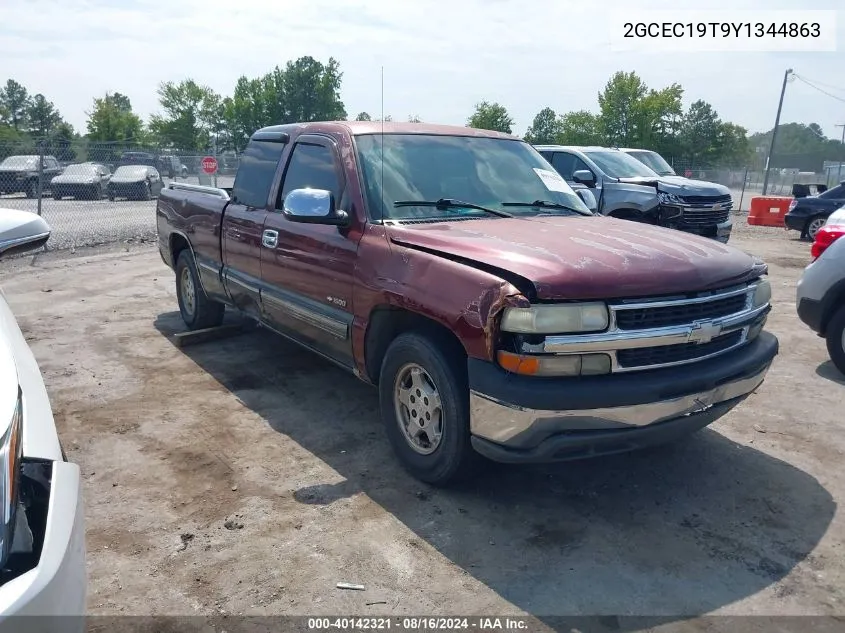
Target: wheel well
[(626, 214), (386, 323), (177, 244), (832, 304)]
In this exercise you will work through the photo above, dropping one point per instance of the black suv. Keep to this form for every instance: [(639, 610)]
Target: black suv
[(19, 174)]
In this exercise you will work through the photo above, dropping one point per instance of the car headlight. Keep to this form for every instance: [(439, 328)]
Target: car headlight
[(667, 198), (762, 293), (556, 319), (11, 452)]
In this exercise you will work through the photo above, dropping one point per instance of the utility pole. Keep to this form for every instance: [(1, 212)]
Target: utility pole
[(775, 130), (841, 153)]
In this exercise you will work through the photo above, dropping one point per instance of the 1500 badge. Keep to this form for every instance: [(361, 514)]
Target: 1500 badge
[(337, 301)]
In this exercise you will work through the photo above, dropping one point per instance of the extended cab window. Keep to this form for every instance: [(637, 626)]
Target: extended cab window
[(311, 167), (256, 172)]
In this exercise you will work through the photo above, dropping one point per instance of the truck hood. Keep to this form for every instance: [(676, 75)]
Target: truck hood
[(680, 186), (596, 257)]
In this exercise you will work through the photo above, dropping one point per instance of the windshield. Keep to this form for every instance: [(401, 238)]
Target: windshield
[(129, 171), (483, 171), (619, 165), (653, 160), (79, 170), (21, 162)]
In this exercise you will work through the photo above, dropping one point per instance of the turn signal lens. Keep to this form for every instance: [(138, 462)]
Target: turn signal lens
[(560, 365)]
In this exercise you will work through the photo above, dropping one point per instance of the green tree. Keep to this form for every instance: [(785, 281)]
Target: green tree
[(363, 116), (312, 90), (545, 129), (491, 116), (580, 128), (699, 132), (246, 110), (191, 115), (619, 108), (14, 101), (413, 118), (62, 140), (733, 145), (112, 120), (42, 117)]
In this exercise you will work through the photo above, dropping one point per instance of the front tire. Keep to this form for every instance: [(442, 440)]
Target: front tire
[(835, 338), (198, 311), (424, 401), (32, 189)]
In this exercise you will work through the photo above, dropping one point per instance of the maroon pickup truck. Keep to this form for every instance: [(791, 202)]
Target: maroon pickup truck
[(456, 271)]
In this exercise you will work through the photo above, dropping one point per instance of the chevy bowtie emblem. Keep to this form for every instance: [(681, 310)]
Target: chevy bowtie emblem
[(704, 332)]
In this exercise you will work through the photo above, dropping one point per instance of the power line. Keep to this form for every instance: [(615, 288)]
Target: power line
[(826, 85), (832, 96)]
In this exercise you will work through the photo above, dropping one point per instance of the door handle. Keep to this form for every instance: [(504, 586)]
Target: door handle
[(270, 239)]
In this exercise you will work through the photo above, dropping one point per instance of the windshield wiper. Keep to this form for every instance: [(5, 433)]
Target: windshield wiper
[(545, 204), (450, 203)]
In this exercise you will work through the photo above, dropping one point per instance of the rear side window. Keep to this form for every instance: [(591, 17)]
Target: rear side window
[(255, 173), (311, 166), (834, 194)]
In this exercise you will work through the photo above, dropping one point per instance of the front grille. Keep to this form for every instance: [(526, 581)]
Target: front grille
[(650, 356), (711, 200), (694, 217), (678, 314)]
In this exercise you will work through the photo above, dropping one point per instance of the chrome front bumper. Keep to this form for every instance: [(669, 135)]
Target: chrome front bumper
[(614, 419)]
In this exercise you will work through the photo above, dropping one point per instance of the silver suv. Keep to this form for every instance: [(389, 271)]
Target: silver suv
[(820, 297), (626, 188)]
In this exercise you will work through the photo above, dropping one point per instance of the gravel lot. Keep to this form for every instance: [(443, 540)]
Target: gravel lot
[(249, 477)]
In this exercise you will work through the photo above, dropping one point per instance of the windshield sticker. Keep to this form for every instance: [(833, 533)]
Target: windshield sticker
[(552, 180)]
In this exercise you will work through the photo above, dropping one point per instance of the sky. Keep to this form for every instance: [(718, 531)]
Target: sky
[(439, 57)]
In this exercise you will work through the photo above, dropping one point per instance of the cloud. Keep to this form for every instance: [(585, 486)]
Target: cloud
[(439, 57)]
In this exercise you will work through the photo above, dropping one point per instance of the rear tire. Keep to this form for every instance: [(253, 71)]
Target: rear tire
[(423, 388), (813, 225), (198, 311), (835, 338)]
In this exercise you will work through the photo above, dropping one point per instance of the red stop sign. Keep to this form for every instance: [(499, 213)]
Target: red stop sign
[(209, 164)]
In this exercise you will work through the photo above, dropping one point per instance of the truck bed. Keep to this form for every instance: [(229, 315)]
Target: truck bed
[(185, 210)]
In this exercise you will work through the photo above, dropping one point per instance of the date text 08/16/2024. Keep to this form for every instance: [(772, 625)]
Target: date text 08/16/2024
[(418, 624)]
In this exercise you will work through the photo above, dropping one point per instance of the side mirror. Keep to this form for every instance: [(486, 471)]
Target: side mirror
[(588, 199), (313, 206), (22, 231), (584, 177)]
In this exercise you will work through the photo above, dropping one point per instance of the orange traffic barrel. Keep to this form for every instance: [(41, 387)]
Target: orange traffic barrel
[(768, 210)]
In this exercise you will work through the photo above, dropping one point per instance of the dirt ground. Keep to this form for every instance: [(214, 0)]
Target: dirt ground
[(246, 476)]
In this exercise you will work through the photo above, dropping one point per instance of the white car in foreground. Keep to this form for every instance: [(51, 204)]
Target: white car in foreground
[(42, 530)]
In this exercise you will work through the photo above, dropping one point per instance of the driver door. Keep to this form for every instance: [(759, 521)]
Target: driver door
[(308, 270)]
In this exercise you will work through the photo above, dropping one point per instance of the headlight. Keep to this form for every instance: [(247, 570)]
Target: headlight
[(668, 198), (556, 319), (762, 294), (11, 451)]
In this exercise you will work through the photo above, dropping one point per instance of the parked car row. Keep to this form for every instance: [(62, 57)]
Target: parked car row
[(639, 185), (88, 181)]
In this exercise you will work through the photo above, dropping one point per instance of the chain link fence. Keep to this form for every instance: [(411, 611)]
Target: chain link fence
[(93, 194), (80, 187)]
